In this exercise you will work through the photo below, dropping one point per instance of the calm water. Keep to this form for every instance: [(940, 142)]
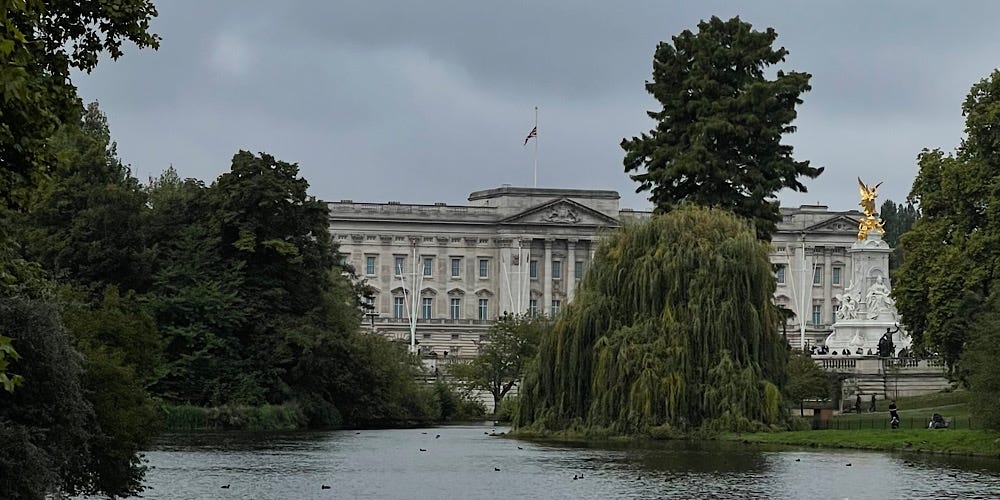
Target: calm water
[(387, 464)]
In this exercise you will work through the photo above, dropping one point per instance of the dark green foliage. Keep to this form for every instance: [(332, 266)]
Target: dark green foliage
[(7, 355), (674, 325), (454, 404), (48, 420), (41, 42), (511, 343), (279, 235), (952, 250), (717, 142), (897, 220), (979, 362), (85, 226), (373, 381), (194, 298), (806, 380), (125, 421)]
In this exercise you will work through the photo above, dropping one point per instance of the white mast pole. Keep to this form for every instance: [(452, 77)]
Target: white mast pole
[(802, 318), (414, 299)]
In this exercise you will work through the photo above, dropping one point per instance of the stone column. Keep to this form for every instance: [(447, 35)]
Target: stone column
[(546, 305), (506, 279), (828, 286), (570, 269)]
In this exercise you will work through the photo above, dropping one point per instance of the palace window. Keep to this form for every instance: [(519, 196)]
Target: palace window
[(818, 275), (398, 264), (484, 268), (456, 267), (555, 306), (370, 265), (455, 308), (817, 314), (533, 269), (578, 270), (397, 307), (556, 269), (428, 266), (484, 309), (836, 275), (533, 307), (779, 273), (426, 307)]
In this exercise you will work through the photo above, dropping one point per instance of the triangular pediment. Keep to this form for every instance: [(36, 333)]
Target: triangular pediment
[(836, 224), (561, 212)]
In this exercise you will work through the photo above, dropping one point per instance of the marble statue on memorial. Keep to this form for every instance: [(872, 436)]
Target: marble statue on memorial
[(878, 299), (865, 309), (848, 303)]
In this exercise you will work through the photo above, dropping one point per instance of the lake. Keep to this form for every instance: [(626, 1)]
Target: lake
[(462, 464)]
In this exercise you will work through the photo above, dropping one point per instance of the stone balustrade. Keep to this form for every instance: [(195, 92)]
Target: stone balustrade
[(880, 366)]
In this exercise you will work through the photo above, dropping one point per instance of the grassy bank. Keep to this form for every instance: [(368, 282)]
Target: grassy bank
[(251, 418), (959, 442), (866, 431), (870, 431)]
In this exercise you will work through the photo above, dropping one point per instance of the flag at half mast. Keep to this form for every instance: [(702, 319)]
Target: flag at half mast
[(533, 133)]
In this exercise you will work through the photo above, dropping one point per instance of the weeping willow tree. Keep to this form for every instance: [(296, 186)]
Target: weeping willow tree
[(674, 325)]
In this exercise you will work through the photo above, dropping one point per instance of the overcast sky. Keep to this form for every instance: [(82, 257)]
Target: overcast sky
[(427, 101)]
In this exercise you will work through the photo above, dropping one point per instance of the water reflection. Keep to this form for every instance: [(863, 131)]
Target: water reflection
[(463, 462)]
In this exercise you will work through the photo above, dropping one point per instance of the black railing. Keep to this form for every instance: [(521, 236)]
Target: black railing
[(846, 424)]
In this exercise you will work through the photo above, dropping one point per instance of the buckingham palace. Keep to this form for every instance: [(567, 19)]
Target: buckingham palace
[(453, 269)]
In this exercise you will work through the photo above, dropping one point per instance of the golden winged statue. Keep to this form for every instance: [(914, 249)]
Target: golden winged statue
[(871, 221)]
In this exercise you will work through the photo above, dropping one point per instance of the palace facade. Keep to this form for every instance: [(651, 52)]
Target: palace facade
[(455, 269)]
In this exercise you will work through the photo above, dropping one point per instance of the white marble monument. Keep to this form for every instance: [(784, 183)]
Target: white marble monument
[(867, 312)]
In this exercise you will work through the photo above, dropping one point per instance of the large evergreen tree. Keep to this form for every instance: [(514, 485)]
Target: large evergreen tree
[(953, 250), (717, 140), (674, 324)]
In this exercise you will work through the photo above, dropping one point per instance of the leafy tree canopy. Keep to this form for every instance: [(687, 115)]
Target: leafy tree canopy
[(717, 140), (40, 43), (952, 251), (897, 219), (806, 380), (511, 343)]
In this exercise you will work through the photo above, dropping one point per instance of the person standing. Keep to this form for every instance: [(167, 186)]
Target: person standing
[(871, 407), (857, 405)]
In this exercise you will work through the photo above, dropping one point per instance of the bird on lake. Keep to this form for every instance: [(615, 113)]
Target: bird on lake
[(487, 433), (520, 448), (325, 487), (848, 465), (438, 436), (421, 449), (357, 433), (225, 487), (423, 433), (574, 477), (496, 469)]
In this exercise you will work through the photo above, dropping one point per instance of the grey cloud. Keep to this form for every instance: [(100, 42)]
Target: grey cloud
[(428, 101)]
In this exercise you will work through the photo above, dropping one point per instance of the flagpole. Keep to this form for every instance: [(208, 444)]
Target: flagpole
[(536, 146)]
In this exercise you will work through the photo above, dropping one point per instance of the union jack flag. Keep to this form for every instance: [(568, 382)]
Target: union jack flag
[(533, 133)]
